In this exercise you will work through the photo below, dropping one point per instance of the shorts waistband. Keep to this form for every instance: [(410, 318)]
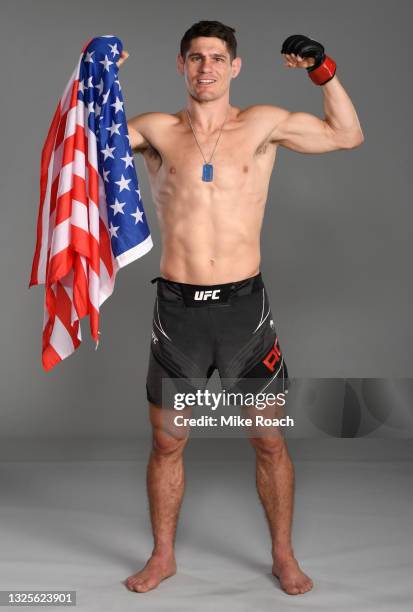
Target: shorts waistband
[(206, 295)]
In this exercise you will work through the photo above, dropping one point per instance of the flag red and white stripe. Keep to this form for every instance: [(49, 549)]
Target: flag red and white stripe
[(73, 255)]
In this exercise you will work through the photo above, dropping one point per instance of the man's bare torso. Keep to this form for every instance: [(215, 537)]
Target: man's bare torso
[(210, 230)]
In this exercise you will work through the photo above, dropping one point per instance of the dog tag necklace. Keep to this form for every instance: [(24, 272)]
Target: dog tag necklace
[(207, 168)]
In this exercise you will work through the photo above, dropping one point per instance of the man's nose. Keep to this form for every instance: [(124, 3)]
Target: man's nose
[(206, 65)]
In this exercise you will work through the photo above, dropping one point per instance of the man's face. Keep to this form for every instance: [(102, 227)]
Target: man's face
[(207, 68)]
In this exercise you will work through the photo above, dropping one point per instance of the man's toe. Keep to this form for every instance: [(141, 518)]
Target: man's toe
[(306, 587), (140, 586)]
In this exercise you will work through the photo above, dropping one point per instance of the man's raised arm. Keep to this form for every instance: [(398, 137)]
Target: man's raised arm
[(306, 133), (136, 124), (135, 127)]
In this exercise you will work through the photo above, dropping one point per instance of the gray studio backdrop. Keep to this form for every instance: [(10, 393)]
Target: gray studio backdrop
[(336, 255)]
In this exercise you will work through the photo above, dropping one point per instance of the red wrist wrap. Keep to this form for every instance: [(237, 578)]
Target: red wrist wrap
[(324, 73)]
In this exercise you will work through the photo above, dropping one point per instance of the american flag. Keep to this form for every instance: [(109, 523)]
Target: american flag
[(91, 220)]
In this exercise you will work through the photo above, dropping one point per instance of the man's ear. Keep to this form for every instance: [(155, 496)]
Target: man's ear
[(180, 64), (236, 66)]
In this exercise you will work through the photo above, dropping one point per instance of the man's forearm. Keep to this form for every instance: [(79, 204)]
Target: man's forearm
[(340, 113)]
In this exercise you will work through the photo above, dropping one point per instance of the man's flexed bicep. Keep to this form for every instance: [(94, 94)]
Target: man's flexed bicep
[(304, 133)]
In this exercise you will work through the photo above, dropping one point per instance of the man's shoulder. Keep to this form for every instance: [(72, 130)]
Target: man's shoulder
[(155, 119), (148, 128), (263, 120), (263, 111)]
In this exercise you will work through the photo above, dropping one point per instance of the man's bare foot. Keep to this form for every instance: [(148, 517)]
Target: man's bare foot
[(156, 570), (292, 580)]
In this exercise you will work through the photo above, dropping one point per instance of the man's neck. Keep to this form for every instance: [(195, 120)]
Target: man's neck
[(208, 116)]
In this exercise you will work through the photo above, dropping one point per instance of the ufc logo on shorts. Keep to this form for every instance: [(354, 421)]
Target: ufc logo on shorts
[(273, 357), (206, 295)]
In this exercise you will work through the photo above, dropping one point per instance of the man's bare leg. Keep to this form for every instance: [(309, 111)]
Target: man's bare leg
[(275, 486), (165, 483)]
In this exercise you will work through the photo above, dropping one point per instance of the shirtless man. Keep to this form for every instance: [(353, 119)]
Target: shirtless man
[(210, 221)]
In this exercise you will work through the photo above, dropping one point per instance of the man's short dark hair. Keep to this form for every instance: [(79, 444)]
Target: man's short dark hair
[(214, 29)]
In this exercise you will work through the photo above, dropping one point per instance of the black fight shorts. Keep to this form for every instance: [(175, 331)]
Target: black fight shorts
[(199, 328)]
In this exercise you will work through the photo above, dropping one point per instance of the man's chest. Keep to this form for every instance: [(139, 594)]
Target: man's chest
[(231, 155)]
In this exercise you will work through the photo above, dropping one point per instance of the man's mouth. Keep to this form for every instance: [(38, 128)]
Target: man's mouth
[(205, 81)]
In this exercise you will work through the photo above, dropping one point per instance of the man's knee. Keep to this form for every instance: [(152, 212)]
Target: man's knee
[(165, 445), (272, 446), (167, 438)]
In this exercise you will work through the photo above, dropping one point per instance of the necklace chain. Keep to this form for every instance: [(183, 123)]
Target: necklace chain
[(197, 142)]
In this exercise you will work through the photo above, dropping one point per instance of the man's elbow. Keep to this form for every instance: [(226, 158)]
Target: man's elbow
[(351, 140)]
